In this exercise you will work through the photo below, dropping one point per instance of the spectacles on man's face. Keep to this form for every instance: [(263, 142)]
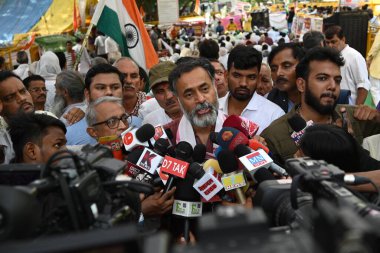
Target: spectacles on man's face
[(38, 89), (114, 122)]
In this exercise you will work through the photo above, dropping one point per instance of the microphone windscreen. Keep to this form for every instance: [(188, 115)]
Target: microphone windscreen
[(195, 170), (247, 127), (296, 122), (213, 137), (229, 138), (185, 190), (134, 156), (161, 146), (213, 164), (169, 133), (199, 153), (183, 150), (227, 161), (242, 150), (145, 132), (262, 175), (255, 145)]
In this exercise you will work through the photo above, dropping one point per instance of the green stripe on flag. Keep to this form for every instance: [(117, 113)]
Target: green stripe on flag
[(109, 24)]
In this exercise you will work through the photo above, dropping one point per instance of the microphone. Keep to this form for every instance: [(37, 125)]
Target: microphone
[(207, 185), (247, 127), (253, 160), (299, 125), (213, 164), (133, 137), (177, 167), (229, 138), (232, 179), (187, 203), (161, 146), (199, 153), (132, 170), (255, 145)]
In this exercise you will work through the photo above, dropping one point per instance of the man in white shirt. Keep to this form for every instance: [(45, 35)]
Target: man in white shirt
[(85, 60), (112, 50), (243, 74), (23, 69), (100, 46), (354, 72), (159, 84)]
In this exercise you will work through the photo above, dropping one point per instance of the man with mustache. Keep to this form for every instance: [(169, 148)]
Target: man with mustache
[(244, 65), (132, 96), (14, 98), (354, 71), (159, 84), (220, 78), (192, 81), (318, 81), (283, 61), (37, 89)]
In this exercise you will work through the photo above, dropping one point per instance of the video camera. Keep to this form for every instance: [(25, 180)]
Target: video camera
[(74, 192)]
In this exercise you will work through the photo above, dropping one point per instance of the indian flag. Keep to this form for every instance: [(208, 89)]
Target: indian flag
[(121, 20)]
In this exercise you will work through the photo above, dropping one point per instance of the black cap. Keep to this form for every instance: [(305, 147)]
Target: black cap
[(161, 146), (195, 170)]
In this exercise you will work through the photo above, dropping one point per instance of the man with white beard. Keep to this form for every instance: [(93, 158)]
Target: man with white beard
[(193, 83), (70, 94)]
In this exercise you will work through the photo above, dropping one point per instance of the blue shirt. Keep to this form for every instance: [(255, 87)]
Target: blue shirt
[(77, 134)]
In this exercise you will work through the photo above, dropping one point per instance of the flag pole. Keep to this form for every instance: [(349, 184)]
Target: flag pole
[(84, 44)]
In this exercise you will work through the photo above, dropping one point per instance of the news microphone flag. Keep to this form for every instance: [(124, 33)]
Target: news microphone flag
[(187, 208), (121, 20), (149, 161), (208, 186), (256, 160)]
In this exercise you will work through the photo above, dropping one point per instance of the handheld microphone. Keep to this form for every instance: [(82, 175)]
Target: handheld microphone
[(207, 185), (199, 153), (133, 137), (247, 127), (214, 164), (177, 167), (255, 145), (229, 138), (187, 203), (161, 146), (299, 125), (254, 160), (232, 179), (132, 169)]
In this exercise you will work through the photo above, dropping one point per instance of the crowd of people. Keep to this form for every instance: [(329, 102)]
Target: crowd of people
[(266, 78)]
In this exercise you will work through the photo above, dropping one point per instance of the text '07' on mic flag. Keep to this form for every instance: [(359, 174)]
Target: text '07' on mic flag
[(121, 20)]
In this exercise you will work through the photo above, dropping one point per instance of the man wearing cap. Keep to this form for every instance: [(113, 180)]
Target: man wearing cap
[(159, 84)]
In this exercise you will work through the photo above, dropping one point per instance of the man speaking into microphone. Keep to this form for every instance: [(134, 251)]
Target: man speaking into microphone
[(193, 83)]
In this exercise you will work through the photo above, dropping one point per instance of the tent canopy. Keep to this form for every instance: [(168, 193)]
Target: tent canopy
[(19, 16)]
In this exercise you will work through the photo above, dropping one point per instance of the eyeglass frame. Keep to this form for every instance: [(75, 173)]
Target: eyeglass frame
[(129, 121)]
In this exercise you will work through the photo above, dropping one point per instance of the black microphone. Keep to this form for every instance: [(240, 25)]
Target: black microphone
[(229, 166), (299, 125), (187, 204), (183, 151), (199, 153)]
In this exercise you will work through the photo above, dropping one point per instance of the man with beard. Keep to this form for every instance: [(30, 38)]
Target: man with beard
[(37, 89), (192, 81), (159, 84), (244, 64), (318, 81), (14, 98), (69, 93), (283, 61), (132, 96)]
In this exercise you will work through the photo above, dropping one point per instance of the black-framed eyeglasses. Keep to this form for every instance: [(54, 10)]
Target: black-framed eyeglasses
[(114, 122)]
